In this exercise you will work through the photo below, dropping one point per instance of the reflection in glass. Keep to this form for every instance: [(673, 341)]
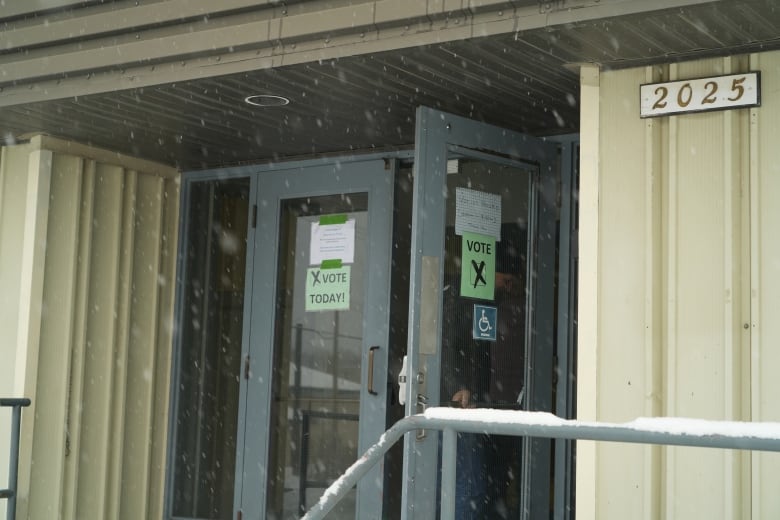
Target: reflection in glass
[(206, 397), (317, 366)]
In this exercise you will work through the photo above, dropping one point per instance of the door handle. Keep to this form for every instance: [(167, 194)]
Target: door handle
[(371, 352)]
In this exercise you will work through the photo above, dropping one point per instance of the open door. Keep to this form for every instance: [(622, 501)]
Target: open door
[(482, 309)]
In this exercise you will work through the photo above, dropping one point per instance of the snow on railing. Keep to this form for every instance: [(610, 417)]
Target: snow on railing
[(656, 430)]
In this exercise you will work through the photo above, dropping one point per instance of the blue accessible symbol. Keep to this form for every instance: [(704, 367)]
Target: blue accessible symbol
[(484, 322)]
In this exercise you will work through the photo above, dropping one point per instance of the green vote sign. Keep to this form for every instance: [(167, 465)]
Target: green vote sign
[(327, 289), (478, 266)]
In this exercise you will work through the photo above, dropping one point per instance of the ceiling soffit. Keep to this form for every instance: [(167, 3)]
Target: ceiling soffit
[(347, 89)]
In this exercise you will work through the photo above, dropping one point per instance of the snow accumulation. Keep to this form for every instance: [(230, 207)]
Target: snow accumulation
[(671, 425), (487, 415)]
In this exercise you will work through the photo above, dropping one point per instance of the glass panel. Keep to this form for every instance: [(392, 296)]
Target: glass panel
[(398, 339), (210, 350), (487, 373), (317, 363)]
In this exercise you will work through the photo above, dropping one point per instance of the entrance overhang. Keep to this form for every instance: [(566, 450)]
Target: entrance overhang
[(167, 80)]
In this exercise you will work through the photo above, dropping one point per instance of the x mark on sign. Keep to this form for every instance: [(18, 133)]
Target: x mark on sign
[(478, 270)]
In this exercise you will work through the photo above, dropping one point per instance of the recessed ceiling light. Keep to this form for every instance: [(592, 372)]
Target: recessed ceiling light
[(267, 100)]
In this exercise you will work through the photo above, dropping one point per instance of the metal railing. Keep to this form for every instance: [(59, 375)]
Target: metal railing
[(660, 430), (13, 462)]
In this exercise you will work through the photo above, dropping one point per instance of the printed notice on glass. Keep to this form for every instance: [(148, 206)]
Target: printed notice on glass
[(332, 241), (327, 289), (477, 212)]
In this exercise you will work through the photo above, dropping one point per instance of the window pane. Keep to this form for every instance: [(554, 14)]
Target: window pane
[(317, 363), (488, 371), (210, 350)]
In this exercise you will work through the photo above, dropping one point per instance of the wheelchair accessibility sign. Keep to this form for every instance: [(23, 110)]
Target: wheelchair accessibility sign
[(485, 318)]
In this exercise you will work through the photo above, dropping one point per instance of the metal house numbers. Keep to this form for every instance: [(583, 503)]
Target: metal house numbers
[(700, 95)]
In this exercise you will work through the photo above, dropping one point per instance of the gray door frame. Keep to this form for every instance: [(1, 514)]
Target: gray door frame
[(270, 188), (437, 133)]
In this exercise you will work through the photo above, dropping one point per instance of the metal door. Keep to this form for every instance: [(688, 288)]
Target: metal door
[(314, 385), (478, 184)]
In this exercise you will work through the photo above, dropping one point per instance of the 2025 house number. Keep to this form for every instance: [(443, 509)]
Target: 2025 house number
[(701, 94)]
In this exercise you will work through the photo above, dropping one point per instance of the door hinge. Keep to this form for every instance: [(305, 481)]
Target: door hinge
[(246, 367), (254, 216), (239, 515)]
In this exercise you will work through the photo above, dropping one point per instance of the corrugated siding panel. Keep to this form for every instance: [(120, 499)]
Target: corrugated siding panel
[(141, 353), (624, 389), (101, 318), (765, 284), (98, 440), (76, 387), (31, 302), (165, 325), (13, 194), (673, 244), (704, 247), (49, 435)]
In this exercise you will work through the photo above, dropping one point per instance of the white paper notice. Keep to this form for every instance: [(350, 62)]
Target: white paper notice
[(477, 212), (333, 242)]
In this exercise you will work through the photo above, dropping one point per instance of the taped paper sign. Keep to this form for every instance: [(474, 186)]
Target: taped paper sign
[(477, 212), (333, 237), (478, 266), (327, 289)]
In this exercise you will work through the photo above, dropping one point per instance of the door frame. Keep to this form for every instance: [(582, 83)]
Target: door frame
[(437, 133), (421, 189), (255, 173), (272, 188)]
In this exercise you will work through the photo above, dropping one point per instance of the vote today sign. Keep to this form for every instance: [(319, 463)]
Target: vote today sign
[(478, 266), (327, 289)]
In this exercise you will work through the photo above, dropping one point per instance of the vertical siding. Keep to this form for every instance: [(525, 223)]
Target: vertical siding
[(765, 282), (102, 319), (31, 302), (13, 194), (704, 254), (162, 368), (626, 192), (588, 315), (96, 446), (141, 354), (80, 306), (56, 336), (674, 289)]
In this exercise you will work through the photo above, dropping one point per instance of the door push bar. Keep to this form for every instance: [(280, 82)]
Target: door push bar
[(13, 464)]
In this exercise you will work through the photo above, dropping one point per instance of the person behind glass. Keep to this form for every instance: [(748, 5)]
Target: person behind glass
[(478, 373)]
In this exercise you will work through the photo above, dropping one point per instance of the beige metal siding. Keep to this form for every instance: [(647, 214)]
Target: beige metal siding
[(95, 448), (686, 258), (13, 195), (765, 279), (588, 308), (702, 339), (56, 335), (626, 362)]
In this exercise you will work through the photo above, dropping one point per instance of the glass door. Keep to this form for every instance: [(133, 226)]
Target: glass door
[(314, 388), (481, 310)]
